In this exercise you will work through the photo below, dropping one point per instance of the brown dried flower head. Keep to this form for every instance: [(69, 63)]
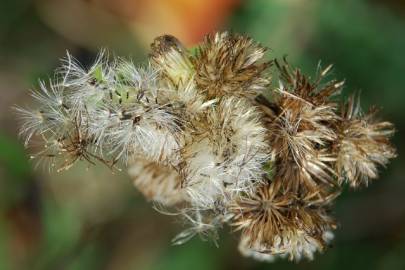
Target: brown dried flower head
[(363, 145), (278, 223), (232, 65)]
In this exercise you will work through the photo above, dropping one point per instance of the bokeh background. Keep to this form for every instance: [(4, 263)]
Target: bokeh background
[(93, 219)]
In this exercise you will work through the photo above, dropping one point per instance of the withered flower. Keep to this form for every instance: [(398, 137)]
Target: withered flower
[(277, 223), (301, 119), (301, 116), (363, 144), (230, 65)]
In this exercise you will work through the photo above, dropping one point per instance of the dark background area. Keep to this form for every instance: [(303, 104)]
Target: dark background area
[(93, 219)]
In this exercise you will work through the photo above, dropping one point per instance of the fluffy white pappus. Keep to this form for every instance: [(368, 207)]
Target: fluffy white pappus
[(147, 131), (176, 65), (228, 158), (157, 182), (51, 95), (139, 81), (50, 118), (74, 74), (87, 87), (202, 222), (204, 176), (101, 124), (248, 147), (187, 97), (49, 156), (33, 122)]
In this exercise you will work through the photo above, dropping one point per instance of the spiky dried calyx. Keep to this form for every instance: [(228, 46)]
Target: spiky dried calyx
[(198, 135)]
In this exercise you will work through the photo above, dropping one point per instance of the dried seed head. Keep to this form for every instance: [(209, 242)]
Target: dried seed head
[(301, 121), (300, 129), (263, 214), (363, 145), (276, 223), (302, 116), (300, 137), (228, 64)]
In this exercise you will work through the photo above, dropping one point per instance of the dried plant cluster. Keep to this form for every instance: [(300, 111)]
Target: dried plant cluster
[(208, 136)]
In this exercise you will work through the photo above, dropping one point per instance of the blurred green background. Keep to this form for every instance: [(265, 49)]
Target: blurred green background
[(93, 219)]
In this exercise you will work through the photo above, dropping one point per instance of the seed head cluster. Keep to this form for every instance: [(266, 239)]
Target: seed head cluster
[(210, 139)]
